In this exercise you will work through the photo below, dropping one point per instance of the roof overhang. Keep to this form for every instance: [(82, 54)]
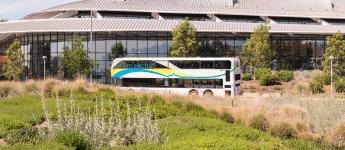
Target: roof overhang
[(115, 25)]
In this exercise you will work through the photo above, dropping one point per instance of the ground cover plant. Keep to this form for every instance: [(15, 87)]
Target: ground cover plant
[(58, 112)]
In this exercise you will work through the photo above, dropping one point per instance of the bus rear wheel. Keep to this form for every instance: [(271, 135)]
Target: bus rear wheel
[(193, 93), (208, 93)]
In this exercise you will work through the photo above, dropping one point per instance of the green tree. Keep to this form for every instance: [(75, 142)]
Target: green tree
[(256, 52), (184, 42), (76, 61), (117, 50), (335, 46), (14, 65)]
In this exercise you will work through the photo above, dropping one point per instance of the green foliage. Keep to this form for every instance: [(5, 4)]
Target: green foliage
[(285, 75), (19, 112), (23, 135), (335, 46), (247, 77), (187, 132), (7, 124), (283, 130), (184, 42), (339, 85), (324, 78), (14, 65), (259, 122), (269, 79), (316, 87), (76, 61), (117, 50), (259, 73), (257, 52), (47, 145), (73, 139)]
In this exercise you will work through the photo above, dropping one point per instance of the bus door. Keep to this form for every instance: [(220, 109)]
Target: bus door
[(227, 83)]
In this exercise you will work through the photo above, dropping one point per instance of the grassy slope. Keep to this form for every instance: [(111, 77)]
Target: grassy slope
[(185, 126), (188, 132)]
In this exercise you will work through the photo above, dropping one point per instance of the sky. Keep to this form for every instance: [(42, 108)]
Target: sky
[(17, 9)]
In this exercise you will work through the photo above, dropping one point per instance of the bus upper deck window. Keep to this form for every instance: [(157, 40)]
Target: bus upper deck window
[(222, 64)]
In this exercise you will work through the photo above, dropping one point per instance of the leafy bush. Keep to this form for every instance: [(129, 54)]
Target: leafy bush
[(269, 79), (283, 130), (316, 87), (259, 122), (73, 139), (247, 77), (336, 136), (23, 135), (339, 85), (324, 78), (261, 72), (227, 117), (285, 75)]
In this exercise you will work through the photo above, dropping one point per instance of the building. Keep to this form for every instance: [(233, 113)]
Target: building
[(299, 29)]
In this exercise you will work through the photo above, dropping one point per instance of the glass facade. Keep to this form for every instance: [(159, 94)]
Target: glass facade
[(291, 51)]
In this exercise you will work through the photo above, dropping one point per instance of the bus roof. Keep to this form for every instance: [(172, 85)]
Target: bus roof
[(177, 58)]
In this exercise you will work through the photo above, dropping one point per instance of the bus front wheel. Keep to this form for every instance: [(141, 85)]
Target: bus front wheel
[(208, 93), (193, 93)]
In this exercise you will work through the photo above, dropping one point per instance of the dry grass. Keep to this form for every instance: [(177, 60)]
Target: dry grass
[(336, 136)]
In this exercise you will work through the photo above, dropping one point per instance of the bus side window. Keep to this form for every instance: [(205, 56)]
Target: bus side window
[(223, 64), (207, 64)]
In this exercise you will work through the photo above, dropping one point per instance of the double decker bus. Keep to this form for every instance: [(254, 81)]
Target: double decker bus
[(184, 76)]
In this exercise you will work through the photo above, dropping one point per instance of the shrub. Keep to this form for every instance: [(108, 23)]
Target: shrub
[(5, 91), (80, 90), (23, 135), (62, 90), (73, 139), (31, 88), (324, 78), (285, 75), (259, 122), (283, 130), (247, 77), (336, 136), (339, 85), (227, 117), (48, 88), (259, 73), (105, 92), (269, 79), (316, 87)]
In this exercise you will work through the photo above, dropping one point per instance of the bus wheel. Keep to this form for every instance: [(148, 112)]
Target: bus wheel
[(208, 93), (193, 93)]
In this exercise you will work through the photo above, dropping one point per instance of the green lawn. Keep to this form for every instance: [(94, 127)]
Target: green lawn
[(184, 126)]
